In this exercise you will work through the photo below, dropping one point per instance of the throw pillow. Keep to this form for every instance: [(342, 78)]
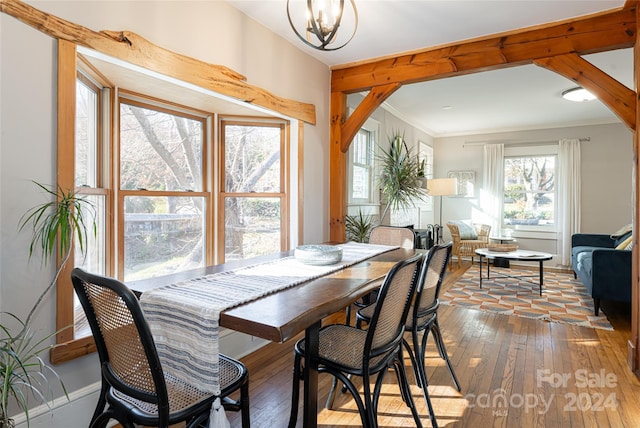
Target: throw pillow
[(466, 230), (619, 240), (626, 243), (622, 231)]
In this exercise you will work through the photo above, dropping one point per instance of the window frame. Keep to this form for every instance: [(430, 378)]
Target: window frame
[(70, 70), (69, 61), (532, 151), (372, 205), (138, 100), (283, 195)]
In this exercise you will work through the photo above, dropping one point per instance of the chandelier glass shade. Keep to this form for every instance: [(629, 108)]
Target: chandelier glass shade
[(317, 25)]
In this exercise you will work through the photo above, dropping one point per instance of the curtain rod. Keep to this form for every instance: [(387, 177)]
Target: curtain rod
[(518, 143)]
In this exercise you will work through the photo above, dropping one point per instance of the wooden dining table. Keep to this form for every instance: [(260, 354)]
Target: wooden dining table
[(284, 314)]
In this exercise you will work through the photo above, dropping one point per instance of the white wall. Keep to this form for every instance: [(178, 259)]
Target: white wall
[(606, 165), (211, 31)]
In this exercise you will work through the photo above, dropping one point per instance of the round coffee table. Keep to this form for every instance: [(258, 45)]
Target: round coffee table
[(521, 255)]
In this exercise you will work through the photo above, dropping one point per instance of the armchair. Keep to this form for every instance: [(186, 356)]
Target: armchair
[(466, 242)]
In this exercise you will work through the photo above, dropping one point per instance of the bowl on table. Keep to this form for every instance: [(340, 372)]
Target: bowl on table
[(318, 254)]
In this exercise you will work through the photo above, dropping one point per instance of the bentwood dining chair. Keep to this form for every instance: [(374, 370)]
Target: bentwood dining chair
[(135, 389), (402, 237), (423, 318), (346, 351)]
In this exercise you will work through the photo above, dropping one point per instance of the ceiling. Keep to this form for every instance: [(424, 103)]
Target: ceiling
[(524, 97)]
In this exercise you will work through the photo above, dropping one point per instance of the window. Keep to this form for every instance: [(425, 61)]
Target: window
[(529, 200), (254, 197), (362, 167), (169, 195), (88, 183), (425, 155), (161, 190)]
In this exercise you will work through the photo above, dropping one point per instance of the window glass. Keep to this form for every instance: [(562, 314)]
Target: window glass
[(252, 158), (94, 258), (362, 173), (162, 235), (253, 215), (529, 191), (252, 227), (86, 134), (159, 150)]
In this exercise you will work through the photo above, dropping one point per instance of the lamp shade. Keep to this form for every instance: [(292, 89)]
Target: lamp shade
[(442, 186)]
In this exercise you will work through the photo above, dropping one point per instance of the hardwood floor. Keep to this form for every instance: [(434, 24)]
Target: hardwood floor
[(514, 372)]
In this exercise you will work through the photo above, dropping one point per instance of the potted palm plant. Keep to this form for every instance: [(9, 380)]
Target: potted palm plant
[(55, 225), (400, 181), (358, 227)]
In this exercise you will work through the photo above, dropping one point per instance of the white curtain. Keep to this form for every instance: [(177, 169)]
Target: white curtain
[(493, 185), (568, 192)]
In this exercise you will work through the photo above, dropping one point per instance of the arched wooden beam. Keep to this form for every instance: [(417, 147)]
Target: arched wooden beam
[(369, 104), (620, 99), (596, 33), (134, 49)]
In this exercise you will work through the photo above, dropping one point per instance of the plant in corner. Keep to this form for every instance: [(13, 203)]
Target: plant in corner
[(55, 226), (358, 227), (400, 181)]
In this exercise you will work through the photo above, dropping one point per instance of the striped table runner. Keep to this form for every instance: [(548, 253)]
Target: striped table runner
[(184, 317)]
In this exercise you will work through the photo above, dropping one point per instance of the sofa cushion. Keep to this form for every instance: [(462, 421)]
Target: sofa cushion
[(581, 249), (584, 268)]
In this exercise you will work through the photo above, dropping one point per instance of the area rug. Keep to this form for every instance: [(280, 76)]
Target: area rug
[(563, 300)]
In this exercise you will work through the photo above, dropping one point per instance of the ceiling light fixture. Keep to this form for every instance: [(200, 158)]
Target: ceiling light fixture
[(322, 20), (578, 94)]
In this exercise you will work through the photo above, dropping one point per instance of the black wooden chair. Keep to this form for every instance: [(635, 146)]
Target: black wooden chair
[(423, 318), (346, 351), (402, 237), (135, 389)]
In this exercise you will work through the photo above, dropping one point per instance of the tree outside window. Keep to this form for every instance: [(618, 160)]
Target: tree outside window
[(529, 191), (161, 175), (254, 215)]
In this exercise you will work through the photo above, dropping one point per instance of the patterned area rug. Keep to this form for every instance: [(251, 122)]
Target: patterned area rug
[(563, 299)]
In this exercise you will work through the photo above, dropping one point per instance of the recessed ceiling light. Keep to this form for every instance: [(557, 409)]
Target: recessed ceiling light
[(447, 107), (578, 94)]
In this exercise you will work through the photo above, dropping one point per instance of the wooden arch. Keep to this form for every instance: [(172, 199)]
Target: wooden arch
[(557, 47)]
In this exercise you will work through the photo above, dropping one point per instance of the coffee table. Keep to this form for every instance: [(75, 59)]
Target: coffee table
[(500, 261), (521, 255)]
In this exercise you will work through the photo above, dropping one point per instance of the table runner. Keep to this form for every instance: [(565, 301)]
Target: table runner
[(184, 317)]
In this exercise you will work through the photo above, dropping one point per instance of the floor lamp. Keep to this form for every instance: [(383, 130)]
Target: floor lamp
[(441, 187)]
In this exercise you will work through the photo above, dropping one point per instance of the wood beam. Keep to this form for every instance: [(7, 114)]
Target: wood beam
[(595, 33), (633, 345), (132, 48), (360, 115), (620, 99), (338, 168)]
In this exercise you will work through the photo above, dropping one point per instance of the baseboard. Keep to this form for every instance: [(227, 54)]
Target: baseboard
[(63, 413), (78, 409)]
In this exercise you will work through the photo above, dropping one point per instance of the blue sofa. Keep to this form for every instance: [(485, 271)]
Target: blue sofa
[(604, 271)]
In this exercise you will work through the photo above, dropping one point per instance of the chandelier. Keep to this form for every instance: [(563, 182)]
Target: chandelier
[(321, 23)]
